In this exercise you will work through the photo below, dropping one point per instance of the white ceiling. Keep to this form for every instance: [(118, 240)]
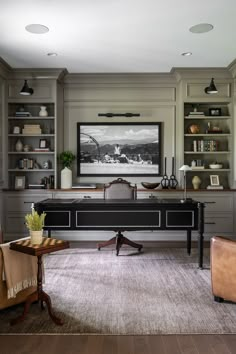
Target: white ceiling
[(117, 36)]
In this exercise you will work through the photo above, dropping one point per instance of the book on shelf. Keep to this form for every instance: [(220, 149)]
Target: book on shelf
[(41, 149), (196, 113), (36, 186), (22, 114), (198, 167), (215, 187)]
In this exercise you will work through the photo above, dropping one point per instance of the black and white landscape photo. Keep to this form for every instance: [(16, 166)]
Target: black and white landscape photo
[(124, 149)]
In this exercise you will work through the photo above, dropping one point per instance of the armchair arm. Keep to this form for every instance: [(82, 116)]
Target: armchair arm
[(223, 270)]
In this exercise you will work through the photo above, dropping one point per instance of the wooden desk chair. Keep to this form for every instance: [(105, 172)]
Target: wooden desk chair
[(120, 189)]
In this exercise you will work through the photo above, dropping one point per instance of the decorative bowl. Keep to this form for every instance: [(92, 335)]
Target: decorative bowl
[(215, 166), (150, 185)]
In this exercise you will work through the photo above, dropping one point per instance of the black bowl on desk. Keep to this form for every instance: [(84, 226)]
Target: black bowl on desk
[(150, 185)]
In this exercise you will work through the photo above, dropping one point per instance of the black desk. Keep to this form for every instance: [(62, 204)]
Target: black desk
[(121, 214)]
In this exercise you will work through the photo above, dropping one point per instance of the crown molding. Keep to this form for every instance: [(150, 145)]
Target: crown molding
[(201, 73), (5, 69), (39, 74)]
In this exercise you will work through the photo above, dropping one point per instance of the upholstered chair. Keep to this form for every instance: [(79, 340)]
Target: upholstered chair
[(120, 189), (223, 270)]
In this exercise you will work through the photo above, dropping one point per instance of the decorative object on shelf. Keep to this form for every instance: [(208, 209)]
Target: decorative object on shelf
[(16, 130), (150, 185), (215, 112), (19, 146), (193, 163), (196, 181), (27, 148), (173, 181), (26, 90), (214, 179), (66, 158), (42, 143), (110, 115), (194, 129), (165, 180), (43, 111), (215, 165), (35, 223), (211, 89), (185, 168), (19, 182)]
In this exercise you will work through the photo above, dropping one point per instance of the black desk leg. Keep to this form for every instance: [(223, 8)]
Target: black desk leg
[(189, 239), (200, 234), (49, 233)]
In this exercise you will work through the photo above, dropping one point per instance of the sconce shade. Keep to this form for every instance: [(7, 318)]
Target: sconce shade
[(185, 168), (212, 88), (26, 90)]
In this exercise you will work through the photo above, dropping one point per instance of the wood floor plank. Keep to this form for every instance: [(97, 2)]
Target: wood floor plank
[(230, 341), (202, 343), (109, 345), (140, 345), (171, 344), (93, 345), (156, 345), (186, 344), (125, 345), (218, 345)]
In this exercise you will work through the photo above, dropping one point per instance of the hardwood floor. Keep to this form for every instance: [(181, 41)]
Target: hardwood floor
[(94, 344)]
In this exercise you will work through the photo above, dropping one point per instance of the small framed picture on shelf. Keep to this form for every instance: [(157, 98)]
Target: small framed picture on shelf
[(214, 180), (215, 112), (42, 143), (19, 182)]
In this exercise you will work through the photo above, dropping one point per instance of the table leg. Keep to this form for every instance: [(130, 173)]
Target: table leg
[(189, 237), (200, 234), (38, 295)]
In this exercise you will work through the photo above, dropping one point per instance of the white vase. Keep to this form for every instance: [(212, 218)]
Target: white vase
[(196, 181), (66, 178), (43, 111), (19, 145), (36, 237)]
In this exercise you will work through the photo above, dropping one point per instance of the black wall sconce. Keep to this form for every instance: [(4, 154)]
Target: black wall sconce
[(26, 90), (211, 88), (110, 115)]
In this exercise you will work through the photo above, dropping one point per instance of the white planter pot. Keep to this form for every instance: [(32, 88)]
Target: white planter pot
[(66, 178), (36, 237)]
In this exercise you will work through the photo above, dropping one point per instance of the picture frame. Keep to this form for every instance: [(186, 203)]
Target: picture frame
[(19, 182), (214, 179), (42, 143), (119, 149), (215, 112)]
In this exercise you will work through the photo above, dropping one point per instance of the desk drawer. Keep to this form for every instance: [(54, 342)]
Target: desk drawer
[(219, 224)]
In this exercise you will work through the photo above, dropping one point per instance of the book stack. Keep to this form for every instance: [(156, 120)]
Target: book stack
[(215, 187), (196, 114), (41, 149), (23, 114), (31, 129)]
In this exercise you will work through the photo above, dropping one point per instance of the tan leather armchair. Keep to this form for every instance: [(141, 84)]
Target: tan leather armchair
[(223, 268), (20, 297)]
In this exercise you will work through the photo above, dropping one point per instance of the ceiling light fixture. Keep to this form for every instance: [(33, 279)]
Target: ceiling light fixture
[(187, 54), (26, 90), (37, 28), (211, 88), (52, 54), (201, 28)]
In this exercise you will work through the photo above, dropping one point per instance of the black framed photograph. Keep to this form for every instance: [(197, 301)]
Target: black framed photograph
[(42, 143), (119, 149), (214, 180), (215, 112), (19, 182)]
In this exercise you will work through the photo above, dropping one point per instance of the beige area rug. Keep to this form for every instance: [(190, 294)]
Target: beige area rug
[(160, 291)]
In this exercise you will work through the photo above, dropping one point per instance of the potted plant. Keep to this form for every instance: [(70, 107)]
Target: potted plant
[(66, 158), (35, 223)]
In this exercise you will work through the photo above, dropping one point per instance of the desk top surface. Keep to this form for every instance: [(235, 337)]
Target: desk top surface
[(150, 201)]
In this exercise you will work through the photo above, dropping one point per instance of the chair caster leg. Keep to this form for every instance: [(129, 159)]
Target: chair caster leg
[(140, 248), (218, 299), (99, 248)]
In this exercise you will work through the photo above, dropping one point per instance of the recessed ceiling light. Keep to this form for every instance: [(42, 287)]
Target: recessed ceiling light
[(187, 54), (201, 28), (37, 28), (52, 54)]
